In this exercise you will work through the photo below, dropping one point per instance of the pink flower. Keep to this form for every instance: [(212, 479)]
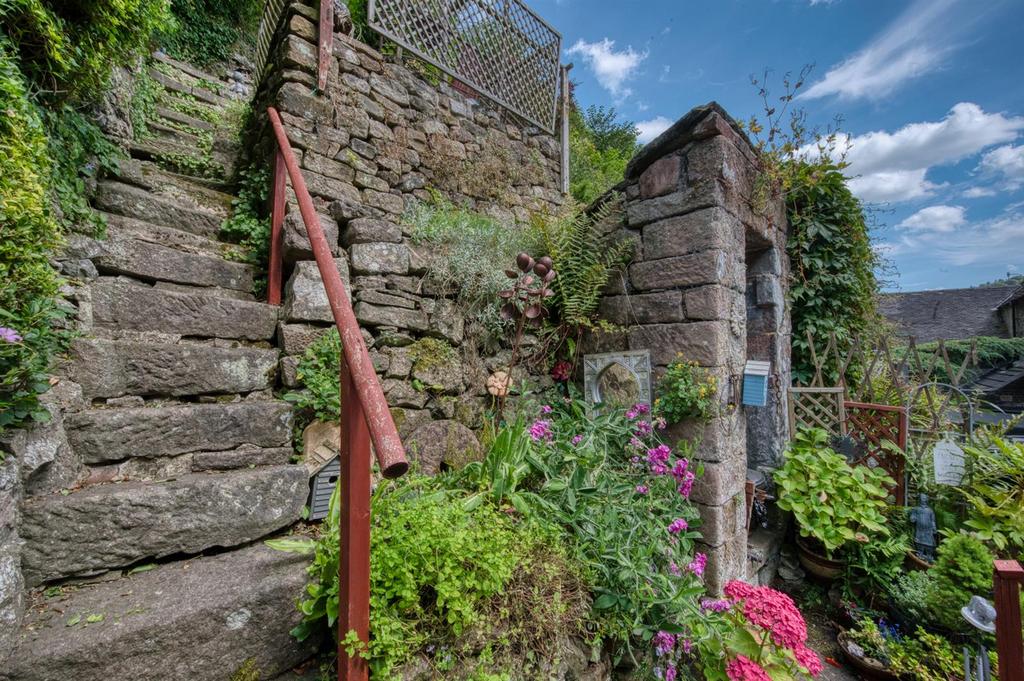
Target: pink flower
[(674, 569), (745, 669), (545, 409), (686, 485), (670, 673), (660, 423), (808, 659), (9, 335), (541, 430), (697, 565), (634, 443), (678, 526), (776, 613), (687, 646), (664, 642), (643, 428), (561, 371), (642, 489), (576, 439), (657, 459), (636, 410), (738, 590)]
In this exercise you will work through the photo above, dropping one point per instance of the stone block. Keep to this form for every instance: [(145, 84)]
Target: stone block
[(106, 368), (723, 480), (707, 343), (402, 394), (408, 420), (709, 302), (719, 524), (191, 619), (353, 120), (301, 101), (376, 315), (296, 238), (380, 258), (12, 591), (106, 435), (442, 442), (295, 339), (305, 298), (708, 267), (649, 308), (389, 203), (109, 526), (447, 322), (716, 440), (288, 366), (369, 230), (327, 167), (384, 298), (725, 562), (329, 188), (661, 177), (702, 230)]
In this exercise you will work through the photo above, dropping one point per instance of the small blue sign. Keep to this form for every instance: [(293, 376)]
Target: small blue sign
[(755, 384)]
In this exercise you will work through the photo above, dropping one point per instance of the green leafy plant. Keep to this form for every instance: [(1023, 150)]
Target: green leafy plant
[(908, 592), (686, 391), (995, 492), (206, 31), (600, 147), (833, 502), (249, 224), (963, 568), (319, 373), (142, 108)]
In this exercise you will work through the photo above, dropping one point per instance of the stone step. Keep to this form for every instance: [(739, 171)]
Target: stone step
[(197, 91), (121, 228), (112, 368), (119, 304), (185, 67), (201, 192), (134, 202), (167, 153), (145, 259), (105, 527), (183, 118), (198, 619)]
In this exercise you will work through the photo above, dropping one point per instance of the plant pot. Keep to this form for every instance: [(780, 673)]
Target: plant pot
[(867, 666), (914, 562), (821, 567)]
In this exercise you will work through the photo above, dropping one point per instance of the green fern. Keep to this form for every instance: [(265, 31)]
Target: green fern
[(584, 258)]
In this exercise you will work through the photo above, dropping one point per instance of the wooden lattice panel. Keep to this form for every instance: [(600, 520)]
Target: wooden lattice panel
[(872, 425), (817, 408)]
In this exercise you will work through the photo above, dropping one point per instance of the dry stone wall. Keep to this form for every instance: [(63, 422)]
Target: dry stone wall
[(380, 138), (707, 283)]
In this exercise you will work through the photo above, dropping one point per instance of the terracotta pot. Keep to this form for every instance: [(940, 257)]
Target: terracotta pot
[(913, 562), (821, 567), (869, 667)]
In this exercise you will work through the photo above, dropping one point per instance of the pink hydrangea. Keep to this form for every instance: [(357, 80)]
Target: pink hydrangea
[(808, 659), (541, 430), (776, 612), (744, 669), (664, 642), (738, 590), (678, 526), (697, 565)]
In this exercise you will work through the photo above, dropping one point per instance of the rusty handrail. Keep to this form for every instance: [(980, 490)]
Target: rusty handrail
[(365, 415), (1009, 575)]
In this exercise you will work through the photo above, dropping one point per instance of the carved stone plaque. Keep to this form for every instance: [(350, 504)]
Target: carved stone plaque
[(948, 461), (618, 378)]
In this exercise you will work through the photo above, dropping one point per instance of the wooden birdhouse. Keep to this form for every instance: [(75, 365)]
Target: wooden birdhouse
[(755, 383), (321, 486)]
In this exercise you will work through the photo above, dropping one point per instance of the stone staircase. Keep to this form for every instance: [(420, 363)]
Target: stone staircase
[(144, 554)]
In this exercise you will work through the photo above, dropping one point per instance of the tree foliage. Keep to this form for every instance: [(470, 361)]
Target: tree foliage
[(600, 146), (206, 31)]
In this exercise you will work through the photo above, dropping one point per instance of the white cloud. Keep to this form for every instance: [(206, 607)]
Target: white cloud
[(983, 243), (916, 43), (652, 128), (1007, 163), (936, 219), (979, 192), (613, 69), (893, 166)]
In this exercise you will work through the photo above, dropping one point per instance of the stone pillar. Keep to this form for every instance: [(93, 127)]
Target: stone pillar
[(688, 206)]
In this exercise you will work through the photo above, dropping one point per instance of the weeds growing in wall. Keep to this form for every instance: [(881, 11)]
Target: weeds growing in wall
[(208, 31), (55, 58)]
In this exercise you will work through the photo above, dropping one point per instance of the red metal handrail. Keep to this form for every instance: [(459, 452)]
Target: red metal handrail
[(1009, 575), (365, 416)]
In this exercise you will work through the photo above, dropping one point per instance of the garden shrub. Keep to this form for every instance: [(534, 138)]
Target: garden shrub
[(963, 568), (686, 391), (206, 31)]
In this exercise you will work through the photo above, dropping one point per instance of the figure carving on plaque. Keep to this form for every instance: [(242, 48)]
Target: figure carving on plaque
[(923, 519)]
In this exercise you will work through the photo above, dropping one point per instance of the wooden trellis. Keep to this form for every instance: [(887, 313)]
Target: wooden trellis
[(873, 426), (816, 407)]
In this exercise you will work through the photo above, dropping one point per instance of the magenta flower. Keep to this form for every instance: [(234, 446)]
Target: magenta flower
[(637, 410), (634, 443), (686, 485), (576, 439), (674, 569), (687, 646), (660, 423), (678, 526), (698, 564), (545, 409), (715, 605), (664, 642), (541, 430), (561, 371), (9, 335), (643, 428), (642, 489), (670, 673)]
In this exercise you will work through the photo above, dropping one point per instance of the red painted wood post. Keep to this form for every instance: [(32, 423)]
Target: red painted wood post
[(326, 47), (277, 203), (1009, 575), (354, 566)]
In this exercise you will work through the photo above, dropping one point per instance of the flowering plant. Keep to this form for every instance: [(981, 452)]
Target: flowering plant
[(761, 637), (686, 391)]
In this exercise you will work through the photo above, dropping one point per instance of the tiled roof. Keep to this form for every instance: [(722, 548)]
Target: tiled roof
[(948, 313)]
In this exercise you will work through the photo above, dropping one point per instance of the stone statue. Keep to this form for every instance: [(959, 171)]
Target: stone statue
[(923, 519)]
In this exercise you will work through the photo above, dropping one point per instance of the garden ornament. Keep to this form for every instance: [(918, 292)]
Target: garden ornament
[(981, 615), (923, 519)]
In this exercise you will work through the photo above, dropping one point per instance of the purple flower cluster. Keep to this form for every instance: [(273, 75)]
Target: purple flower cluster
[(642, 489), (545, 409), (644, 428), (698, 564), (678, 526), (684, 477), (541, 430), (576, 439), (715, 605), (9, 335), (636, 411), (657, 459), (664, 642)]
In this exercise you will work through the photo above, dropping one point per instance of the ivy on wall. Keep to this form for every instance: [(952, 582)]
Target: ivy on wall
[(55, 59)]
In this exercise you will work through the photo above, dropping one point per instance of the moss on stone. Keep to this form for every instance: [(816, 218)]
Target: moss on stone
[(430, 353)]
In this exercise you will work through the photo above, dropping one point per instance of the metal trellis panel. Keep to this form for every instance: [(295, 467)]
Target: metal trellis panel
[(500, 48)]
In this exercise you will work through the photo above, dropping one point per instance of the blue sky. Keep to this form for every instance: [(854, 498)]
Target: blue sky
[(931, 93)]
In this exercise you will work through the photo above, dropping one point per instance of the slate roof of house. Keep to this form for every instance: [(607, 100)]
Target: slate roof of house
[(948, 313), (1013, 297)]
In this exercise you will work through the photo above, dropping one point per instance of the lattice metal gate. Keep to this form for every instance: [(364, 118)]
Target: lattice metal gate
[(499, 47)]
